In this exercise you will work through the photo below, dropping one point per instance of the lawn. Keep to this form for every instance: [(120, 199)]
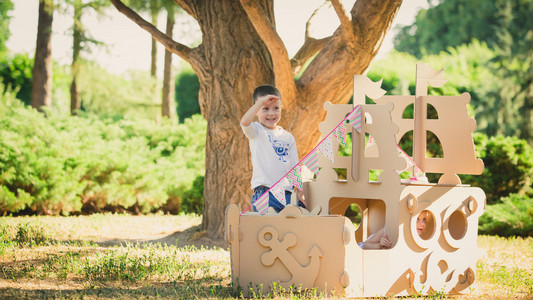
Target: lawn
[(162, 256)]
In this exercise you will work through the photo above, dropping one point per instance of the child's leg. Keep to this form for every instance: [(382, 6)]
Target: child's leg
[(274, 203)]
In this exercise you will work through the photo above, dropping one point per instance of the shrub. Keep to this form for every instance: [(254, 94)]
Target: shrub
[(512, 217), (508, 167), (62, 164), (187, 87), (16, 75), (193, 199)]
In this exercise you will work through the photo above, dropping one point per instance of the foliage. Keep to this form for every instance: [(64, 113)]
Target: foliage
[(508, 167), (62, 164), (106, 94), (187, 87), (5, 7), (193, 199), (512, 217), (16, 75), (455, 22), (505, 100)]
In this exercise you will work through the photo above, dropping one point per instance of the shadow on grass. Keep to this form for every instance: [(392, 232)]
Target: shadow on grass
[(192, 236)]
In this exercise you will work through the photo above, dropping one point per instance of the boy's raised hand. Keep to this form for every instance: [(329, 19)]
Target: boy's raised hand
[(267, 99), (252, 111)]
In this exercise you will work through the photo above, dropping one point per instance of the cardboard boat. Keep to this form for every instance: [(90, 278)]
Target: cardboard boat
[(317, 248)]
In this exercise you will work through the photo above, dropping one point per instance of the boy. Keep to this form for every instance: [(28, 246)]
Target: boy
[(273, 148)]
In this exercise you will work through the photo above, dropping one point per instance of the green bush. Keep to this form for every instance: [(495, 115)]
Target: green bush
[(187, 87), (63, 165), (134, 95), (512, 217), (16, 75), (193, 199), (508, 167)]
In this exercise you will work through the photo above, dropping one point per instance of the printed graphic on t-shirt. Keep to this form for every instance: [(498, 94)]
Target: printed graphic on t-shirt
[(281, 148)]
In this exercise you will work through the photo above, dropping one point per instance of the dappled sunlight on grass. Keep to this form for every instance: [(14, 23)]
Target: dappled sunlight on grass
[(64, 257)]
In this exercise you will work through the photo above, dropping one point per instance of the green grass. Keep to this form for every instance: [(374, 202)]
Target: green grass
[(71, 257)]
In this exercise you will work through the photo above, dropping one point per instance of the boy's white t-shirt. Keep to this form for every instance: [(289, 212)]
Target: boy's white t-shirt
[(273, 153)]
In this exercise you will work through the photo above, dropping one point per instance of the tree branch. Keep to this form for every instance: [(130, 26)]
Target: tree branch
[(187, 8), (311, 45), (330, 74), (345, 19), (267, 31), (172, 46)]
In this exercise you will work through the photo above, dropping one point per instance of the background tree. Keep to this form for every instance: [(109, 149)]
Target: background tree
[(168, 105), (506, 27), (5, 7), (450, 23), (80, 40), (187, 87), (41, 94), (154, 7), (241, 49)]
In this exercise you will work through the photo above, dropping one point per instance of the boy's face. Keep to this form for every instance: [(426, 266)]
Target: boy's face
[(270, 114)]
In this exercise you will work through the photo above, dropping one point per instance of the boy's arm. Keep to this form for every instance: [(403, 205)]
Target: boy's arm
[(250, 114)]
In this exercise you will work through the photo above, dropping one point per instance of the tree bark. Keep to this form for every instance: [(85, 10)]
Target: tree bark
[(153, 64), (168, 106), (240, 50), (75, 98), (41, 93)]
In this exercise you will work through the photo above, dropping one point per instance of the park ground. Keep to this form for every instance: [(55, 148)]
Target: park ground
[(163, 256)]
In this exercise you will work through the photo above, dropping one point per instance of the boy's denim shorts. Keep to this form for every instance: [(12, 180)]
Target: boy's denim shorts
[(272, 201)]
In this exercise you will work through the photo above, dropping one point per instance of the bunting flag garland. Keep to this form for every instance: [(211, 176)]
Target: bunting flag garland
[(261, 204), (354, 118), (326, 148), (417, 172), (295, 177), (311, 161), (278, 190), (406, 158), (340, 133)]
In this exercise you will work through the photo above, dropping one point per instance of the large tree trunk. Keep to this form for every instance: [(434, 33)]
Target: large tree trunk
[(237, 61), (242, 50), (168, 106), (41, 93), (75, 98)]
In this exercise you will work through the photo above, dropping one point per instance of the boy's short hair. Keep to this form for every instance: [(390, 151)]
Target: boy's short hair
[(264, 90)]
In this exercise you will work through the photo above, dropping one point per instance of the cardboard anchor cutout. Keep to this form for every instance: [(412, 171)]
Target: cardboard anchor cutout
[(318, 248)]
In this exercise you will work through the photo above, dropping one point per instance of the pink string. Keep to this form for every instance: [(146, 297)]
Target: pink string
[(301, 159)]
